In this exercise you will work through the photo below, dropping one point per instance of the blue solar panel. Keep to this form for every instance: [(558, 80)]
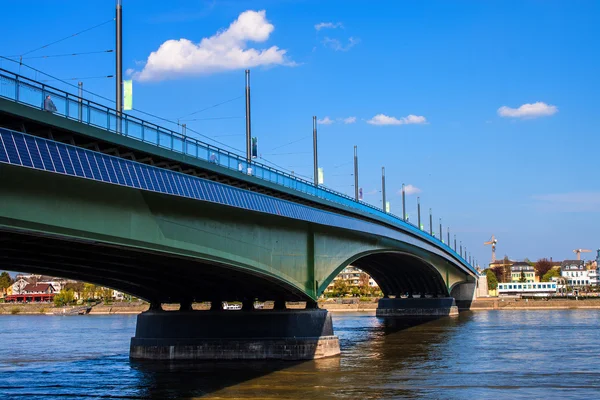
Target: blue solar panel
[(34, 152)]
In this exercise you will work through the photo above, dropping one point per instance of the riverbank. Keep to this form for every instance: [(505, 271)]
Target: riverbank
[(492, 303)]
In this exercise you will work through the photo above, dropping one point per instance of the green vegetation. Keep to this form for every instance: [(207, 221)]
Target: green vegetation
[(492, 281), (15, 310), (340, 288), (64, 297), (550, 274), (522, 279), (5, 280)]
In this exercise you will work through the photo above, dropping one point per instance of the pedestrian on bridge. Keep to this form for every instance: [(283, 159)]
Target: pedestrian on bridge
[(49, 105)]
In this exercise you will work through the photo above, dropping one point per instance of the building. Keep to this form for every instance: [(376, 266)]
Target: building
[(522, 269), (354, 278), (576, 275), (33, 293)]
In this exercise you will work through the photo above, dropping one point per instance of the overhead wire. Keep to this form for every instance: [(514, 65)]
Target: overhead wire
[(213, 106), (188, 129), (66, 37), (64, 55)]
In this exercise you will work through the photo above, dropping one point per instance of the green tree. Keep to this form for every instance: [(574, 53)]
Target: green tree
[(553, 273), (89, 291), (5, 280), (64, 297), (106, 294), (522, 279), (77, 288), (492, 281), (340, 288)]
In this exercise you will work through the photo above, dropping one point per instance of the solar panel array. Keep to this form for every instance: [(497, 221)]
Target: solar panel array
[(24, 150)]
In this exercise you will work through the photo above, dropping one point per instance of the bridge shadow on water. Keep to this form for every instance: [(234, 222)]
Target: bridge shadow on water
[(187, 380), (371, 343)]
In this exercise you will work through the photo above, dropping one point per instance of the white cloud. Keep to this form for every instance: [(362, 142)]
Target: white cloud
[(410, 189), (226, 50), (539, 109), (382, 119), (325, 121), (328, 25), (336, 45), (569, 202), (349, 120)]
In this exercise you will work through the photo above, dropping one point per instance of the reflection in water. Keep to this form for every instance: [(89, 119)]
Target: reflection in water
[(487, 354)]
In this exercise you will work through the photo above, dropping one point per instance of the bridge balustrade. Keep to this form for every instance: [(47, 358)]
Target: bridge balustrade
[(27, 91)]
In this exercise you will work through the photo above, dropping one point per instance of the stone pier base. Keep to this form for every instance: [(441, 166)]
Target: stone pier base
[(234, 335), (419, 307)]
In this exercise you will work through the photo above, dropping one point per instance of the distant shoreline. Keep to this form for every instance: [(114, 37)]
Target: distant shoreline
[(367, 308)]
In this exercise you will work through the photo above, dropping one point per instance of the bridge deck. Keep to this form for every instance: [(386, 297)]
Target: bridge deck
[(127, 130)]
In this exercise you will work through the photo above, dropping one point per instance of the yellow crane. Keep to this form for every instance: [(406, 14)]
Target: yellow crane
[(579, 251), (493, 242)]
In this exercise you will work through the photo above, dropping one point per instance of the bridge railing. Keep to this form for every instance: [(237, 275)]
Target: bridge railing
[(32, 93)]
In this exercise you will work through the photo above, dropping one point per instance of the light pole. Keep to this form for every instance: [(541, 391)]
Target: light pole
[(248, 122), (315, 156), (419, 211), (430, 223), (355, 173), (119, 59), (403, 203), (383, 189)]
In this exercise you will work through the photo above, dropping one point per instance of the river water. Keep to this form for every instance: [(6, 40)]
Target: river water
[(478, 355)]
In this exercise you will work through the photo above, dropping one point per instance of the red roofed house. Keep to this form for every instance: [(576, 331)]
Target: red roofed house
[(33, 293)]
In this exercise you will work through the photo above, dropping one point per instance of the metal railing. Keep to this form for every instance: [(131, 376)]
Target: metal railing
[(32, 93)]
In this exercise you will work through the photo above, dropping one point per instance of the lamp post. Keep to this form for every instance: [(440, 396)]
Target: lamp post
[(383, 189), (315, 156), (403, 203), (419, 211), (248, 121), (430, 223), (119, 59), (355, 173)]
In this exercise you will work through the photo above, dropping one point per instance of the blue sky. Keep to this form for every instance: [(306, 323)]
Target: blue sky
[(424, 83)]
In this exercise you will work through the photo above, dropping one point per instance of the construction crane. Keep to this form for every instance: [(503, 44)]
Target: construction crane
[(579, 251), (493, 242)]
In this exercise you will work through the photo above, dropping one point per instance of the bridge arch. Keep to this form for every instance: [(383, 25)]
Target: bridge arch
[(398, 273)]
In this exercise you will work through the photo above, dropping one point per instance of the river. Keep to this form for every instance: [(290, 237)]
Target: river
[(478, 355)]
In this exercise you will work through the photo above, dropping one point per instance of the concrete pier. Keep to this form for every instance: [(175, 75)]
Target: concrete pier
[(417, 307), (234, 335)]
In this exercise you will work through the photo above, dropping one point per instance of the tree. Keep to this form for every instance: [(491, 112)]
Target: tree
[(550, 274), (5, 280), (89, 291), (522, 279), (64, 297), (498, 272), (340, 288), (542, 266), (364, 287), (492, 281), (77, 287)]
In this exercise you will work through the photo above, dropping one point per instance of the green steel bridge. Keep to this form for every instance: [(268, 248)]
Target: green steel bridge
[(94, 195)]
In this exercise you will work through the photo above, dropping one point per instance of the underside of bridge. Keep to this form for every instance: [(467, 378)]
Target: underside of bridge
[(402, 274), (152, 276)]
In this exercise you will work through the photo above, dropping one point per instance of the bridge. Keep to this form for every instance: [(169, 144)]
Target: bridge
[(105, 197)]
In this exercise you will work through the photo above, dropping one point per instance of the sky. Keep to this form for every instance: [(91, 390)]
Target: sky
[(486, 110)]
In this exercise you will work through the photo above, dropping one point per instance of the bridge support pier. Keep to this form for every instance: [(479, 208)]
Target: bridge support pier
[(417, 307), (230, 335)]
